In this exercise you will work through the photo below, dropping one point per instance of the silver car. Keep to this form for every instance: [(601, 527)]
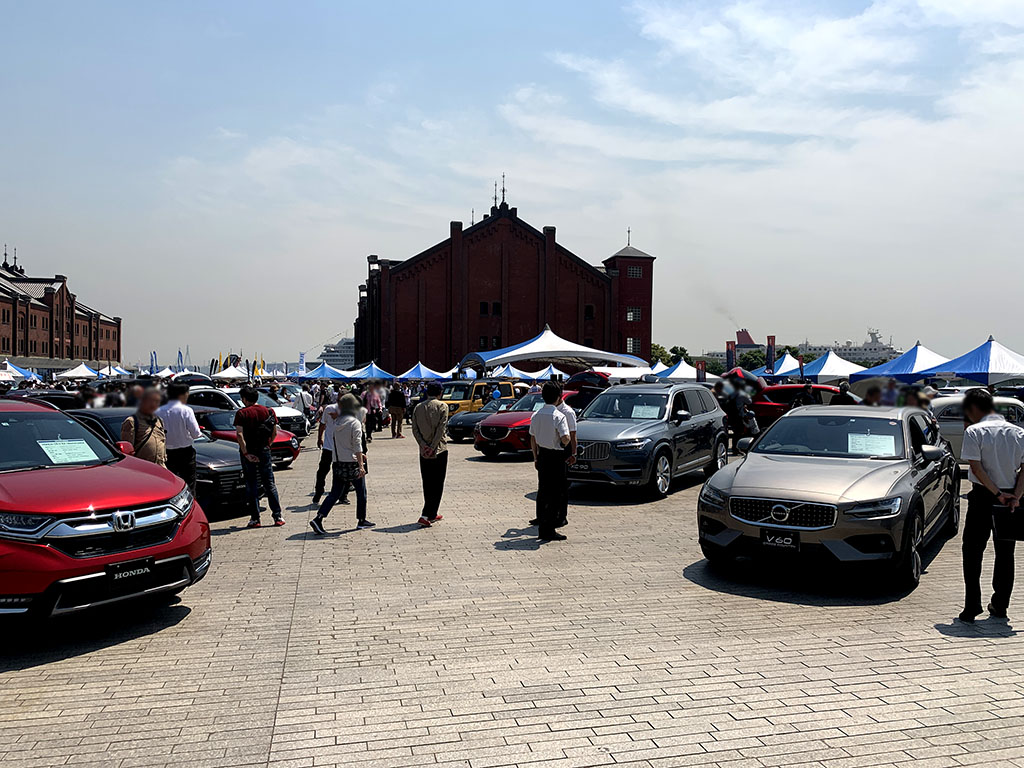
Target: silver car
[(853, 483), (949, 412)]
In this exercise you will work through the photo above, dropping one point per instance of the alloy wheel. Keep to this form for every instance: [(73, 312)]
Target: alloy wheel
[(663, 474)]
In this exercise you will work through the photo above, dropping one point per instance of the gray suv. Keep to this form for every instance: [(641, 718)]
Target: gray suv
[(648, 434)]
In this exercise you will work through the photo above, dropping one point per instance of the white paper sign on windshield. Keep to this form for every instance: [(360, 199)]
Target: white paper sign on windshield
[(646, 411), (67, 451), (871, 445)]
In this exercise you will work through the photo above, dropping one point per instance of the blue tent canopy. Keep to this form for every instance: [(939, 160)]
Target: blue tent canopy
[(990, 363), (420, 371), (23, 372), (322, 371), (907, 367), (370, 371)]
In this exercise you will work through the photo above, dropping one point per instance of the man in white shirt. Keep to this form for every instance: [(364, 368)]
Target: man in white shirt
[(549, 437), (994, 449), (325, 442), (182, 429)]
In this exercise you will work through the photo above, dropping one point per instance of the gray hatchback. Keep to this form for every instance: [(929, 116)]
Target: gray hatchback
[(647, 434)]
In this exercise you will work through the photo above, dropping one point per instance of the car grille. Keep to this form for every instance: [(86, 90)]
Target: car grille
[(112, 543), (494, 433), (294, 424), (795, 514), (591, 451)]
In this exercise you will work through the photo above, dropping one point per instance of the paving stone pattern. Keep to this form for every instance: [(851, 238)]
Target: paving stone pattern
[(469, 645)]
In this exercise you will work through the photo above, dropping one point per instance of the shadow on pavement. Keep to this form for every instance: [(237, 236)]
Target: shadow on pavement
[(986, 628), (518, 539), (521, 457), (601, 495), (27, 643), (406, 528), (308, 534)]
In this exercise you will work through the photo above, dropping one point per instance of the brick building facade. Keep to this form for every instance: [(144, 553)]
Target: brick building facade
[(497, 283), (43, 325)]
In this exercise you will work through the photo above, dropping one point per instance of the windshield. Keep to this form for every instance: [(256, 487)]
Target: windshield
[(528, 403), (221, 420), (456, 391), (635, 406), (262, 399), (31, 440), (840, 436)]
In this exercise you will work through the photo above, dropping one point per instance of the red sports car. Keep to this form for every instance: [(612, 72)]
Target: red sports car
[(219, 424), (509, 431), (83, 523), (773, 401)]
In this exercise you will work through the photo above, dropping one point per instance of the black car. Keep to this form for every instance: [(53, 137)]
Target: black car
[(58, 397), (462, 424), (219, 481)]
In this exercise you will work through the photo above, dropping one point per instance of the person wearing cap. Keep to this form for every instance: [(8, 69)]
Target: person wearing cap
[(843, 397)]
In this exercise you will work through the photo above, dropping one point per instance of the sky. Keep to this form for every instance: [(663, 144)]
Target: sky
[(216, 173)]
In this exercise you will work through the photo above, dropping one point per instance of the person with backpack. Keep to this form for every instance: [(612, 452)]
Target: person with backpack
[(256, 427), (145, 431)]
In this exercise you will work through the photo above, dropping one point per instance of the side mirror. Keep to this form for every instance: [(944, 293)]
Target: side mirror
[(743, 446), (932, 453), (503, 407), (681, 416), (126, 448)]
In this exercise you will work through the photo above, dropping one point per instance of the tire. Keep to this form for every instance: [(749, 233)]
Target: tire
[(714, 554), (489, 452), (660, 481), (909, 565), (952, 526), (719, 458)]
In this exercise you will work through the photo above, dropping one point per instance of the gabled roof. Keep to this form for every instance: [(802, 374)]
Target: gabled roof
[(632, 253)]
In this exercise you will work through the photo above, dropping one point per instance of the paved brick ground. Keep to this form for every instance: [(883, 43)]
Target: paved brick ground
[(468, 645)]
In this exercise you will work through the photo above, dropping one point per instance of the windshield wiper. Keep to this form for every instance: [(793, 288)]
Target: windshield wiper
[(27, 469)]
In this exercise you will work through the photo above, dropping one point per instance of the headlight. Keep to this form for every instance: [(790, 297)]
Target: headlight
[(712, 497), (452, 407), (23, 524), (182, 502), (632, 445), (877, 510), (293, 443)]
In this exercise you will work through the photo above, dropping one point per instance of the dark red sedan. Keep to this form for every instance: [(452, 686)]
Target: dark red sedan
[(773, 401), (82, 523), (509, 431), (219, 424)]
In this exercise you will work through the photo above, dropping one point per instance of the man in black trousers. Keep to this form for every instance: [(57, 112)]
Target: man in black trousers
[(549, 436), (429, 423)]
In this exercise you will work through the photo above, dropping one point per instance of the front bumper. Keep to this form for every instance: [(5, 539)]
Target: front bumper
[(848, 540), (220, 487), (618, 469), (39, 578), (513, 441)]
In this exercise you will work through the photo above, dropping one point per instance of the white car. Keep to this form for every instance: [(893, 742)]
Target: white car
[(949, 412), (230, 399)]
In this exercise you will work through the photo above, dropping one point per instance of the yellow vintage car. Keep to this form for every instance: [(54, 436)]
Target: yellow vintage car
[(470, 395)]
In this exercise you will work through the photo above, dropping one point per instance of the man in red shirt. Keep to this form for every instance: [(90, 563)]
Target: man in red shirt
[(256, 427)]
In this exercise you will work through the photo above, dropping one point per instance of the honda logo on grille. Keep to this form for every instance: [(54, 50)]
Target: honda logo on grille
[(123, 521), (780, 513)]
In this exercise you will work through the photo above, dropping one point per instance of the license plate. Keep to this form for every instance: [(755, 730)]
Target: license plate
[(784, 540), (581, 466), (131, 570)]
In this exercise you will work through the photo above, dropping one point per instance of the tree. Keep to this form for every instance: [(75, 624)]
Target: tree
[(660, 354), (680, 353), (714, 368), (750, 360)]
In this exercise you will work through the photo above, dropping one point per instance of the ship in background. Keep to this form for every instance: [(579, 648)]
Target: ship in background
[(873, 350)]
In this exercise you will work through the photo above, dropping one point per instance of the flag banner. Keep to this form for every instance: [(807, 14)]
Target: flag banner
[(730, 355), (769, 366), (302, 362), (702, 370), (801, 359)]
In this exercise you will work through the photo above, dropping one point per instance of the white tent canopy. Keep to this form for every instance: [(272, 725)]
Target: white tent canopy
[(658, 367), (6, 375), (110, 371), (552, 349), (546, 374), (682, 371), (830, 367), (166, 373), (80, 371), (230, 373), (623, 373)]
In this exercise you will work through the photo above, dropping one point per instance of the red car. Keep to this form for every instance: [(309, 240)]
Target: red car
[(773, 401), (219, 424), (83, 523), (509, 431)]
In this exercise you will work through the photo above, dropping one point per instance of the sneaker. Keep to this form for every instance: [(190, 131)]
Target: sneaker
[(365, 524), (317, 525), (424, 523), (968, 617), (253, 524), (438, 519), (344, 500), (561, 523), (996, 613), (553, 536), (535, 521), (278, 521)]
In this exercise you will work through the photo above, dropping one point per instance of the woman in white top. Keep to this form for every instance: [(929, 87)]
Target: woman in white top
[(349, 465)]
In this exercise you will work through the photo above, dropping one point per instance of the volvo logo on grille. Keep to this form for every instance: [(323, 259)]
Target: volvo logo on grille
[(780, 513), (123, 521)]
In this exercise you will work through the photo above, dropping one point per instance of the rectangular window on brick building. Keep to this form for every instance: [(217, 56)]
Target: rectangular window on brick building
[(483, 308), (496, 309), (495, 342), (634, 271), (483, 342), (588, 311), (632, 346), (588, 342), (632, 314)]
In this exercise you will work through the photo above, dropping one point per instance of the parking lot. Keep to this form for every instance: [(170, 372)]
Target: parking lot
[(468, 644)]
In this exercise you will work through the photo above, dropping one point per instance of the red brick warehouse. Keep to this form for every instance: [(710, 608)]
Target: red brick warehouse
[(497, 283)]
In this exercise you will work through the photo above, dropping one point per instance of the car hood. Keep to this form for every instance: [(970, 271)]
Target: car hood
[(508, 419), (467, 419), (286, 412), (616, 429), (127, 483), (218, 454), (812, 478)]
